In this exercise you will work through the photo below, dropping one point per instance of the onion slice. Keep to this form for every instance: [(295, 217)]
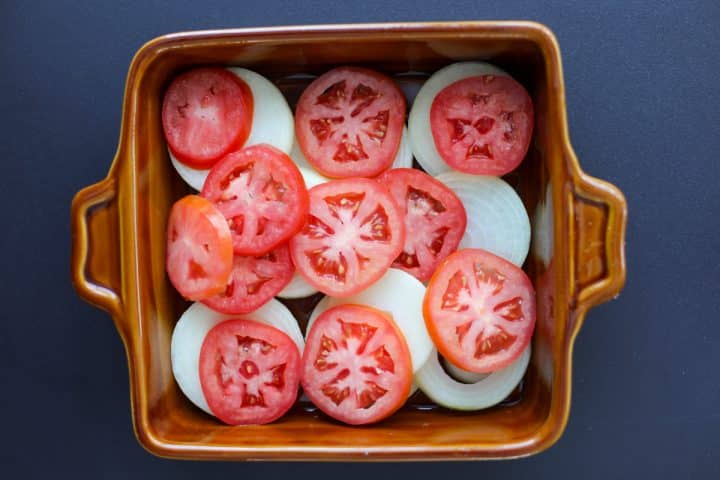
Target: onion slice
[(420, 133), (401, 295), (461, 375), (496, 217), (491, 390), (193, 326), (272, 123)]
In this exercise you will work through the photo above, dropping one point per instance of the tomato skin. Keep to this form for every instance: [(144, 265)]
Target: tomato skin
[(191, 98), (199, 248), (263, 196), (249, 372), (349, 122), (458, 309), (482, 124), (354, 231), (254, 281), (435, 219), (351, 345)]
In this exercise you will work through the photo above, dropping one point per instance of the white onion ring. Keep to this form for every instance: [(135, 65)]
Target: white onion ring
[(491, 390), (420, 135), (496, 217), (272, 123), (189, 335), (461, 375)]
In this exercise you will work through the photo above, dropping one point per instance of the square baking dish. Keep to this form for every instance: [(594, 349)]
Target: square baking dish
[(576, 260)]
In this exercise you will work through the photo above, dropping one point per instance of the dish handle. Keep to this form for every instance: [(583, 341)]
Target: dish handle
[(95, 258), (600, 217)]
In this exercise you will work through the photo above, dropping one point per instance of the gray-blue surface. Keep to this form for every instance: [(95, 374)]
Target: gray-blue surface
[(644, 113)]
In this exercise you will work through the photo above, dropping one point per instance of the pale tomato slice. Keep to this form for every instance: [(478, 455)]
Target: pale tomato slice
[(479, 310), (199, 248), (435, 219), (482, 124), (262, 194), (353, 233), (206, 113), (356, 366), (254, 281), (349, 122), (249, 372)]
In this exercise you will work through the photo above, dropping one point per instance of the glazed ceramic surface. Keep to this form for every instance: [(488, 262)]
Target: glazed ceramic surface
[(576, 261)]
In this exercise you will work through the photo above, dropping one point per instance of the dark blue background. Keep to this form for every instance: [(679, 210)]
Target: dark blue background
[(644, 111)]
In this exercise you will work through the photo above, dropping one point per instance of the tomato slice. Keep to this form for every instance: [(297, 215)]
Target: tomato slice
[(206, 113), (479, 310), (249, 372), (254, 281), (262, 194), (435, 219), (353, 233), (356, 366), (349, 122), (482, 124), (199, 248)]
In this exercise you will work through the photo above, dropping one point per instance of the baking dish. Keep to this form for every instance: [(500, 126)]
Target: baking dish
[(118, 244)]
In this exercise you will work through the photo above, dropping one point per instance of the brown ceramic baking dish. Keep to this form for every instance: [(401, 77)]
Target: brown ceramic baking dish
[(118, 246)]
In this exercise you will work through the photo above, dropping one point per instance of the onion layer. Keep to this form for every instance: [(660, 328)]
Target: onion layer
[(493, 389), (496, 217)]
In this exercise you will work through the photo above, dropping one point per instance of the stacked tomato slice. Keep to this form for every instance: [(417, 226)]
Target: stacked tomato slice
[(404, 257)]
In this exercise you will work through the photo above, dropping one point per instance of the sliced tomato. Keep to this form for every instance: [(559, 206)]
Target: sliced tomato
[(349, 122), (480, 310), (249, 372), (262, 194), (254, 281), (435, 219), (353, 233), (199, 248), (482, 124), (206, 113), (356, 365)]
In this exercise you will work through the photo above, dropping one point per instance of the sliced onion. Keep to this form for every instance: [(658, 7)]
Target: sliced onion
[(462, 375), (403, 158), (272, 123), (297, 288), (496, 217), (401, 295), (193, 326), (491, 390), (420, 133)]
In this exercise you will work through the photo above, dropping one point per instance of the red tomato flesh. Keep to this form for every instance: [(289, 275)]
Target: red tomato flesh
[(349, 122), (356, 366), (206, 113), (199, 248), (249, 372), (435, 219), (482, 124), (254, 281), (262, 194), (353, 233), (479, 310)]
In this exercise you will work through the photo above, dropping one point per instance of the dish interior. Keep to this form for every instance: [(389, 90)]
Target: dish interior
[(160, 406)]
